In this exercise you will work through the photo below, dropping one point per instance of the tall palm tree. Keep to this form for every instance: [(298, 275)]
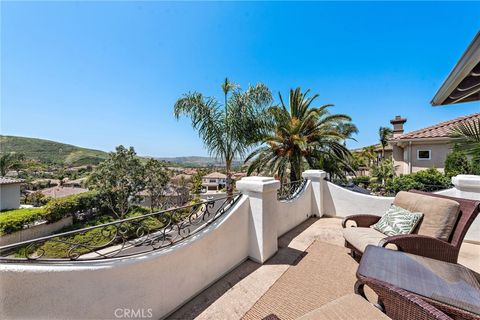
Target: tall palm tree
[(299, 133), (10, 161), (469, 132), (227, 132), (384, 134)]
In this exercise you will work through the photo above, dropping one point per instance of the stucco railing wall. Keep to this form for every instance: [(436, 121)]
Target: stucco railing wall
[(159, 282), (468, 187), (156, 283), (295, 211), (340, 202), (37, 231)]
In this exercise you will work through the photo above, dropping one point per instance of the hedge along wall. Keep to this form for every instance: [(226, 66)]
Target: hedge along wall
[(57, 209), (39, 230)]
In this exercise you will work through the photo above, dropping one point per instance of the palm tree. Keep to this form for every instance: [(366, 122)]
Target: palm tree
[(298, 133), (368, 153), (469, 132), (384, 134), (10, 161), (347, 129), (227, 132)]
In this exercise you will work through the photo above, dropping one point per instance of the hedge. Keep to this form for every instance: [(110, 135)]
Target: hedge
[(425, 180), (58, 208), (15, 220)]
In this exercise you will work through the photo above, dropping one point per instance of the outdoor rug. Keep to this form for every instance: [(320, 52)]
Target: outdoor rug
[(323, 273)]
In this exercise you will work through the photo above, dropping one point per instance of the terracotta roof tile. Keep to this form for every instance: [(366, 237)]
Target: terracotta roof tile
[(440, 130)]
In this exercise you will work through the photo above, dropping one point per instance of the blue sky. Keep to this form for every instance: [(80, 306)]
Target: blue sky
[(100, 74)]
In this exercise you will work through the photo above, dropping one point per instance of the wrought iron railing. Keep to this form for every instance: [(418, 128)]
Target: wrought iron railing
[(121, 238), (290, 190)]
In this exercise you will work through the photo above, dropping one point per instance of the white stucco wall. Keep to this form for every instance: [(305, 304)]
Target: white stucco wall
[(340, 202), (94, 290), (467, 187), (293, 212), (9, 196)]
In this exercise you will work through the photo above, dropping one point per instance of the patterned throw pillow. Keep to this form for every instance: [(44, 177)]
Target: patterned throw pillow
[(397, 221)]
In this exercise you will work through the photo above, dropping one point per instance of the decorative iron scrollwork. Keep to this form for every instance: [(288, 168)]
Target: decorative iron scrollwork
[(290, 190), (121, 238)]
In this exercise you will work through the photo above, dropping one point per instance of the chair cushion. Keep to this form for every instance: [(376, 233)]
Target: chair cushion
[(360, 238), (397, 221), (439, 215), (349, 307)]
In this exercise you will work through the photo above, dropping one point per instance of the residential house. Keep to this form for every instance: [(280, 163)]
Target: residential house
[(424, 148), (61, 191), (77, 183), (214, 181), (9, 193)]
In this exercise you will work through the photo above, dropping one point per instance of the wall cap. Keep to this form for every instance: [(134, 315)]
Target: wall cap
[(315, 174), (258, 184), (466, 181)]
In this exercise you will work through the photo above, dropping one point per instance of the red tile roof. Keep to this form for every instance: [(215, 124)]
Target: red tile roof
[(60, 192), (441, 130)]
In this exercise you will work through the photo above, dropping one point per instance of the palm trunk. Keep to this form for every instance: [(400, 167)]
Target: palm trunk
[(229, 183), (295, 168)]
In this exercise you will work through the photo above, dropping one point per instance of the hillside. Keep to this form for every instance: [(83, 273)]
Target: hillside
[(195, 161), (50, 151)]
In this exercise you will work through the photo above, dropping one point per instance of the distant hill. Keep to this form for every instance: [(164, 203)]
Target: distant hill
[(195, 161), (51, 151)]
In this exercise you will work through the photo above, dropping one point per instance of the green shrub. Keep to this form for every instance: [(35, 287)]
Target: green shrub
[(424, 180), (37, 199), (14, 220), (457, 163), (364, 180), (58, 208)]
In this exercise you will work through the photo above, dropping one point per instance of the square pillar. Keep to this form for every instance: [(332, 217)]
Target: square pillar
[(262, 194), (317, 177)]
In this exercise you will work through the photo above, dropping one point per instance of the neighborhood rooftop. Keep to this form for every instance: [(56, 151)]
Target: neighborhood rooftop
[(440, 130), (216, 175), (6, 180)]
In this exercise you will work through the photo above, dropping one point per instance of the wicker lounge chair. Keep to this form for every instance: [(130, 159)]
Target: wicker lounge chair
[(396, 304), (439, 234)]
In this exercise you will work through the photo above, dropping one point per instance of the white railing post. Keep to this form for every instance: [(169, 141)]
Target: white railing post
[(318, 184), (468, 187), (262, 194)]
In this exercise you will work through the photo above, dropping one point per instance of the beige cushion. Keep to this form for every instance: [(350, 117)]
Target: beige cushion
[(439, 215), (349, 307), (361, 237)]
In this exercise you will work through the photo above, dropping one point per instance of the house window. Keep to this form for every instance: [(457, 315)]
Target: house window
[(424, 154)]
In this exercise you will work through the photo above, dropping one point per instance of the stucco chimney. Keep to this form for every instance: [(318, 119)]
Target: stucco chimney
[(398, 125)]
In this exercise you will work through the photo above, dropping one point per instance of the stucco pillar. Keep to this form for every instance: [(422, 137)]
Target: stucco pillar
[(317, 177), (468, 187), (262, 193)]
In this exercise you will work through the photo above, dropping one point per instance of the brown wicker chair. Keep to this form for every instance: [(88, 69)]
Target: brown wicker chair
[(420, 244), (399, 304)]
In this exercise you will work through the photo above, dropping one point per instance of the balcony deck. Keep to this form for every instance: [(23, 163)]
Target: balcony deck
[(235, 294)]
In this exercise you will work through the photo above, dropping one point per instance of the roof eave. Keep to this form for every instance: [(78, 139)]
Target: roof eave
[(467, 62), (433, 139)]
